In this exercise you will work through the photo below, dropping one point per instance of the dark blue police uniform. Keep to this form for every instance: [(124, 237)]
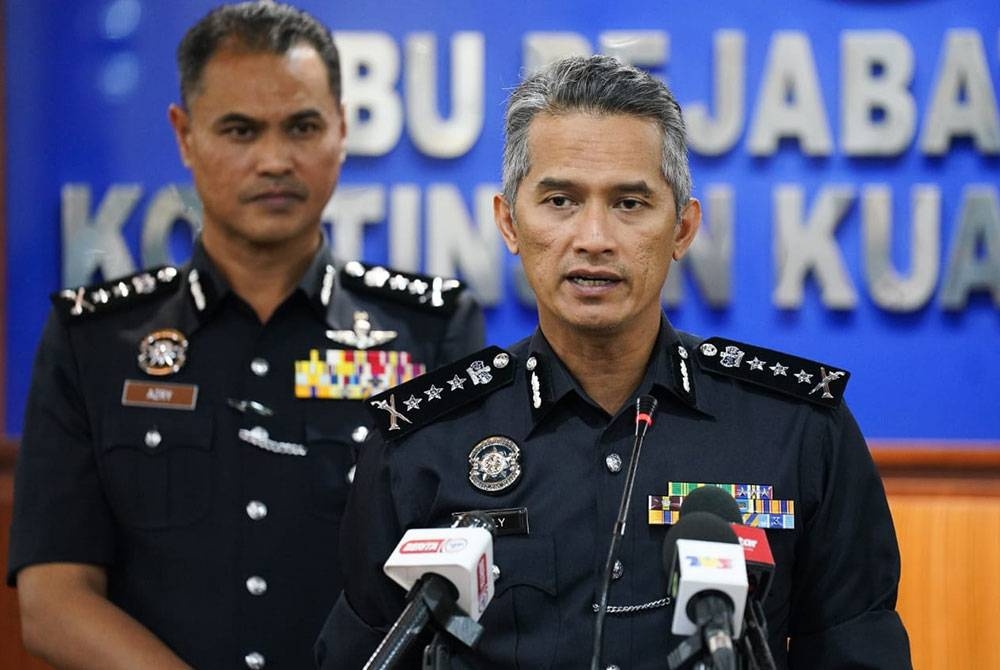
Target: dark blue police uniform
[(514, 432), (204, 458)]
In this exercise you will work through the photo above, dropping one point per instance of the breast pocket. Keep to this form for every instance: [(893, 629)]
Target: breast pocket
[(523, 613), (333, 437), (157, 466)]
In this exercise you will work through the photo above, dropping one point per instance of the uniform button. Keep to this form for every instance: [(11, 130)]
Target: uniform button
[(153, 438), (256, 586), (359, 434), (259, 366), (254, 660), (256, 510), (617, 570), (614, 462)]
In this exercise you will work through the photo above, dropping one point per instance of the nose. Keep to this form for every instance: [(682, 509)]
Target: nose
[(594, 232), (274, 155)]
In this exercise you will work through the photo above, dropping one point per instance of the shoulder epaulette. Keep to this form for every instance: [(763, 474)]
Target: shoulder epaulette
[(438, 294), (416, 403), (116, 294), (800, 377)]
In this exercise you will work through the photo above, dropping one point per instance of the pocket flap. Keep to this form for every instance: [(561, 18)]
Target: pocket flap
[(156, 431), (525, 561)]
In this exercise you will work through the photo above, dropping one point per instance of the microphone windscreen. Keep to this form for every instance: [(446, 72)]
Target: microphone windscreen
[(713, 500), (645, 404), (696, 525)]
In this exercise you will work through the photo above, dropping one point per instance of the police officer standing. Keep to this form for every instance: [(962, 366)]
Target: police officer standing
[(191, 432), (597, 202)]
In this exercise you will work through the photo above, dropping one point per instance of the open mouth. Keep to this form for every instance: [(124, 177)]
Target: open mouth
[(590, 282)]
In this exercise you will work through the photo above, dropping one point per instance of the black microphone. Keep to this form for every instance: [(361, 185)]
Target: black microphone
[(713, 500), (645, 406), (449, 575), (708, 584)]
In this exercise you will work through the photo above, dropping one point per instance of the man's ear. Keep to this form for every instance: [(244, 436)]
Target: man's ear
[(687, 227), (343, 133), (180, 121), (503, 216)]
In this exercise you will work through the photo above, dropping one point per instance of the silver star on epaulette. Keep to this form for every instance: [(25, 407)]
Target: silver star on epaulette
[(362, 337)]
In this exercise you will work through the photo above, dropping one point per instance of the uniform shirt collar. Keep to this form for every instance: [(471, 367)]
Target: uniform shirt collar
[(670, 372), (207, 288)]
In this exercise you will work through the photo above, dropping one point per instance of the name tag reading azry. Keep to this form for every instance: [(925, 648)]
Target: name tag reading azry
[(138, 393)]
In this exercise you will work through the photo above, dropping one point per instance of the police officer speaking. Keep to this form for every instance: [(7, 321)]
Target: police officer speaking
[(191, 431), (597, 203)]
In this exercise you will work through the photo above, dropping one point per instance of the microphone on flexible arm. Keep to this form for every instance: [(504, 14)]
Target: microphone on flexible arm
[(760, 568), (645, 406), (449, 576), (708, 584)]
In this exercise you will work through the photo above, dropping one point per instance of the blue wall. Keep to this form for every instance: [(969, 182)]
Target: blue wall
[(88, 84)]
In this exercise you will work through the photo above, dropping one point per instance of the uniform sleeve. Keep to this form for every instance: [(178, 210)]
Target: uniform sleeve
[(60, 511), (465, 333), (847, 560), (370, 602)]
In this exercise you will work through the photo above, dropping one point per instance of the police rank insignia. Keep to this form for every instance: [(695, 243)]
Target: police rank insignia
[(115, 294), (416, 403), (409, 288), (816, 382), (163, 352), (494, 464)]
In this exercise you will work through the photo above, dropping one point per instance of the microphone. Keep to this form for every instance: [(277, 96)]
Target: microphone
[(645, 406), (708, 584), (759, 562), (756, 548), (448, 573)]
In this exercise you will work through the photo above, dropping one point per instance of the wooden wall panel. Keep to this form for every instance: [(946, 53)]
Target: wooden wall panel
[(949, 594)]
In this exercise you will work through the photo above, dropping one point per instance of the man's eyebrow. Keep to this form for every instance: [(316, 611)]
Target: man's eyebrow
[(303, 115), (235, 117), (640, 187), (546, 183)]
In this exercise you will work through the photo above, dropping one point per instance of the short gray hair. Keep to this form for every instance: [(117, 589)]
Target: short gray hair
[(598, 85)]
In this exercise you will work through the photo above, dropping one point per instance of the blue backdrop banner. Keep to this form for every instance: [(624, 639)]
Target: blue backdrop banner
[(846, 153)]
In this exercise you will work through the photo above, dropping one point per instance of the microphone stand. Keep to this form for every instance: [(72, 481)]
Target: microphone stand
[(644, 407), (431, 600), (755, 653)]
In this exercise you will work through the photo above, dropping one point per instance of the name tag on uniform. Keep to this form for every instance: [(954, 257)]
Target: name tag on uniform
[(508, 521), (138, 393)]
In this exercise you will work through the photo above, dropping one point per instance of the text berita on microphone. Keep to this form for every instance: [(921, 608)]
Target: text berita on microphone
[(463, 556)]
